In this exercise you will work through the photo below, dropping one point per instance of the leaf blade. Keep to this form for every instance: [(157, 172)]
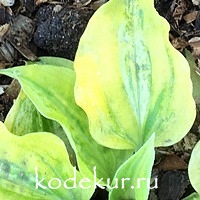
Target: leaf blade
[(56, 102), (138, 167), (138, 86), (194, 167), (19, 158)]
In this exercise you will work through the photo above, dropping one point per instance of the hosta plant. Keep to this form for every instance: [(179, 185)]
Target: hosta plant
[(134, 92), (194, 168)]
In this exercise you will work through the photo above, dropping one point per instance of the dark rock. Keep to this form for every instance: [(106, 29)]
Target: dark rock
[(59, 32), (172, 185)]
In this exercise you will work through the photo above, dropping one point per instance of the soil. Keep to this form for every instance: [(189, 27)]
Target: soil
[(30, 29)]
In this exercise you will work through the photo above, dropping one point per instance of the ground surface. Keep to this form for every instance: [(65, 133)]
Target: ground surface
[(29, 30)]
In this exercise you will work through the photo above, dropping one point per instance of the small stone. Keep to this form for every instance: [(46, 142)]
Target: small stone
[(7, 2), (196, 2)]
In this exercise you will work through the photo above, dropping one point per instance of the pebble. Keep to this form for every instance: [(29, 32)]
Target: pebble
[(196, 2), (7, 2)]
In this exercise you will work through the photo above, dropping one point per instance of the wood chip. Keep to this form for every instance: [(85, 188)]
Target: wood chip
[(179, 43), (81, 3), (38, 2), (97, 4), (13, 89), (172, 162), (7, 51), (190, 141), (195, 44), (190, 17), (7, 2), (180, 10), (196, 2), (3, 30), (20, 34), (1, 92)]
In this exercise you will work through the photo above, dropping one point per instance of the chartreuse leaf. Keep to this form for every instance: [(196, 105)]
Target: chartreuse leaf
[(133, 176), (193, 196), (51, 89), (23, 118), (194, 76), (194, 167), (36, 166), (130, 81)]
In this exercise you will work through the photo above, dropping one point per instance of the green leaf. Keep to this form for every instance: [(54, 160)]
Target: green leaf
[(194, 76), (194, 167), (130, 81), (23, 118), (26, 160), (51, 89), (136, 173), (193, 196)]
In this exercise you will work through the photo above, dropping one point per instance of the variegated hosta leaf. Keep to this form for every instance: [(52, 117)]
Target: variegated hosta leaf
[(51, 89), (130, 81), (195, 76), (194, 168), (23, 118), (132, 179), (36, 166), (193, 196)]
